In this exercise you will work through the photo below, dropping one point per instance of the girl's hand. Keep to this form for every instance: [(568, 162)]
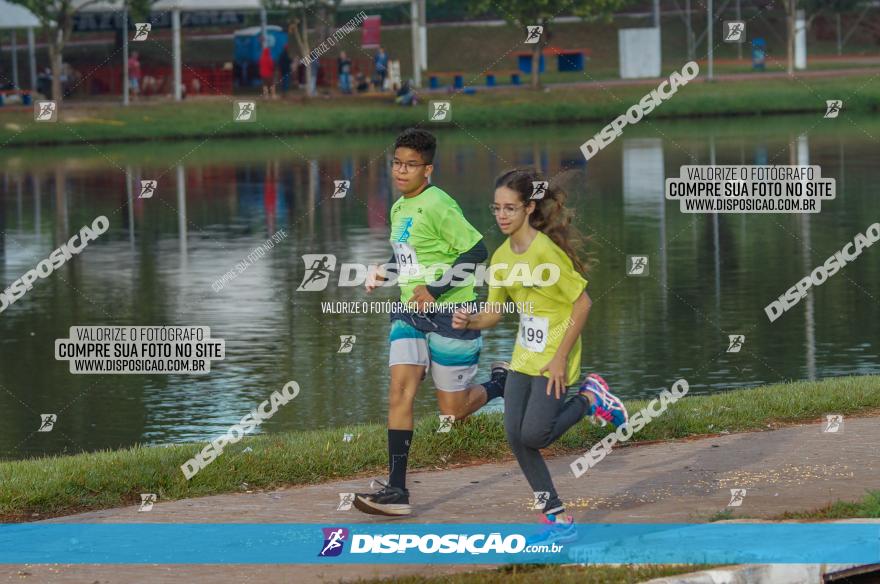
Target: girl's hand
[(460, 319), (557, 369)]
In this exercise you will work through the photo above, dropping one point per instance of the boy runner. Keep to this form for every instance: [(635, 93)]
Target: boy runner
[(427, 228)]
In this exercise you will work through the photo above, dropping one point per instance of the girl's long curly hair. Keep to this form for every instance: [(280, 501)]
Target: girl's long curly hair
[(550, 216)]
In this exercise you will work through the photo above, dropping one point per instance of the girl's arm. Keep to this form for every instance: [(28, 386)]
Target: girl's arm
[(478, 321), (579, 312), (558, 364)]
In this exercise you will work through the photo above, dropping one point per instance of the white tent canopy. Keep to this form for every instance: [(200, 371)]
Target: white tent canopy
[(15, 17), (417, 14)]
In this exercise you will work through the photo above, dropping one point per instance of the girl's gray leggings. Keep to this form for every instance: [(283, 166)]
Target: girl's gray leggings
[(534, 420)]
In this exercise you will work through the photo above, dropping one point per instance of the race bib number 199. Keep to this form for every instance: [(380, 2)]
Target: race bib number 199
[(533, 332), (407, 262)]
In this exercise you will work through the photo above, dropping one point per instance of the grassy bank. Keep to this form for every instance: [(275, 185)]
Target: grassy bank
[(213, 119), (32, 489)]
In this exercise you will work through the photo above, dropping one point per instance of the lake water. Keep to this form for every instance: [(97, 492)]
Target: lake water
[(709, 276)]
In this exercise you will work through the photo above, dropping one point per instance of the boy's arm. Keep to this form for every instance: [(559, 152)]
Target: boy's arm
[(475, 255)]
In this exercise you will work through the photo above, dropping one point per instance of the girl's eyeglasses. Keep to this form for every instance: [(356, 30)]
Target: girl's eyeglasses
[(406, 166), (506, 210)]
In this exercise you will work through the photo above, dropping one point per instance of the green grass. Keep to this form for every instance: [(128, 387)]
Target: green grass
[(208, 119), (868, 507), (65, 484), (528, 574)]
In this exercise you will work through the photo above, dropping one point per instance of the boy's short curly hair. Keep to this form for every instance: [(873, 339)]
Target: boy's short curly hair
[(422, 141)]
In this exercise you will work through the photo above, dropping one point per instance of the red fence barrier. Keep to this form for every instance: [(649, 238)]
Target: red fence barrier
[(159, 80)]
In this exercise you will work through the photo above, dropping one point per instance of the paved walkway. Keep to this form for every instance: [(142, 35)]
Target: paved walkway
[(795, 468)]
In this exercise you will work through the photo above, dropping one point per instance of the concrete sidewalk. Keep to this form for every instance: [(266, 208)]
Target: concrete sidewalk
[(791, 469)]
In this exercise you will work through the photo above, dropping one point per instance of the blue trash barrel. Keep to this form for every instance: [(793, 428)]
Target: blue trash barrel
[(759, 54)]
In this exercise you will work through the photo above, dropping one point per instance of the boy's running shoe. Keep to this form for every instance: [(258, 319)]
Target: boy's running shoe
[(607, 406), (388, 500), (559, 530)]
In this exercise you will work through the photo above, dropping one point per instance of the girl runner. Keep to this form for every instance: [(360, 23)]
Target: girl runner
[(547, 354)]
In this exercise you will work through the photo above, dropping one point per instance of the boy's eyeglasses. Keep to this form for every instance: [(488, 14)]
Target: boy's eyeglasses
[(407, 166), (506, 210)]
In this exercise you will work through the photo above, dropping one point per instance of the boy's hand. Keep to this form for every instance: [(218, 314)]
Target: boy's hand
[(421, 297), (375, 277), (460, 319)]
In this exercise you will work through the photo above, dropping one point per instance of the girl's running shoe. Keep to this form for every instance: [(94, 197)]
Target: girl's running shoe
[(606, 407), (559, 530)]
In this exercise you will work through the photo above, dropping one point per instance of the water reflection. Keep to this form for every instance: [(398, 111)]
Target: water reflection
[(710, 275)]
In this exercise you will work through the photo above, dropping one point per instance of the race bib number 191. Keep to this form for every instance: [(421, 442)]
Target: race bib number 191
[(533, 332), (407, 262)]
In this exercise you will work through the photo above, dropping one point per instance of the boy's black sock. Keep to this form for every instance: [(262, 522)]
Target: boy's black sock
[(495, 386), (398, 452)]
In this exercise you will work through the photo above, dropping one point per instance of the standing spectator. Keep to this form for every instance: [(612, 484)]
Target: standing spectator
[(381, 63), (267, 73), (344, 73), (284, 67), (134, 74)]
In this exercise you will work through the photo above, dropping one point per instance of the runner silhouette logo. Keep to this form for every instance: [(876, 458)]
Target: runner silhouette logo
[(141, 30), (319, 266), (334, 541), (533, 34)]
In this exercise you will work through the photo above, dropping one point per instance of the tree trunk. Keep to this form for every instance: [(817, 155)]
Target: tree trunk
[(536, 63), (301, 35), (55, 58), (791, 8)]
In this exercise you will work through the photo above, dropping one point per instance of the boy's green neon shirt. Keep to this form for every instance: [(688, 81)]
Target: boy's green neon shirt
[(427, 230), (553, 302)]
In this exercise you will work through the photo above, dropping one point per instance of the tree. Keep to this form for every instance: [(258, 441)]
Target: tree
[(525, 13), (56, 19), (298, 14), (812, 9)]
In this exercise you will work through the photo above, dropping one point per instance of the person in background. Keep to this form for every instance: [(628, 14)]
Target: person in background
[(344, 64), (406, 95), (134, 74), (267, 73), (284, 68), (381, 64), (361, 83)]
